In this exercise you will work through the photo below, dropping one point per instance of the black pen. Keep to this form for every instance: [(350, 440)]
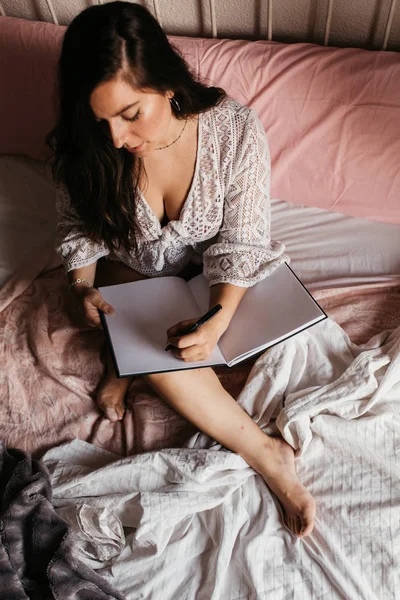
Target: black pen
[(198, 323)]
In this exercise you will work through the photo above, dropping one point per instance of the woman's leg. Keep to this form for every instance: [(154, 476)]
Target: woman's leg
[(199, 397), (112, 272), (112, 390)]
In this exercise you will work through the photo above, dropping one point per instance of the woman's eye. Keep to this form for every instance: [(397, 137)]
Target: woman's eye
[(134, 118)]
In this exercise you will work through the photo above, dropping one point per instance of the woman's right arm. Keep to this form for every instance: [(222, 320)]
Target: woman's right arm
[(75, 248), (79, 256), (87, 273), (87, 300)]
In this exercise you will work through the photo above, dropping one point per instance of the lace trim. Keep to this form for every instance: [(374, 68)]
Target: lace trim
[(226, 216)]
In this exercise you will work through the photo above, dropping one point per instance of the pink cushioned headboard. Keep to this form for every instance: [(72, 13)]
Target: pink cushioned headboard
[(332, 115)]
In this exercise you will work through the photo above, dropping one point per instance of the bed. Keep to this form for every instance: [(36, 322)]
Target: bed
[(159, 510)]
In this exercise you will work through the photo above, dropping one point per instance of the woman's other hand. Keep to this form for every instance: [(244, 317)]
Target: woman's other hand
[(198, 345), (86, 302)]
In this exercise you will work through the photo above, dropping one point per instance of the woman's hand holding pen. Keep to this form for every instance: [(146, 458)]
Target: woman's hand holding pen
[(198, 345)]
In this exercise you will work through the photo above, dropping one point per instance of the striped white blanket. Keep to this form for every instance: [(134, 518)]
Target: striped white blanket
[(199, 524)]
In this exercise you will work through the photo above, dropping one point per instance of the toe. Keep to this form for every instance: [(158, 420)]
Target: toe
[(120, 410), (298, 525), (113, 409), (291, 523), (306, 529), (307, 521), (111, 414)]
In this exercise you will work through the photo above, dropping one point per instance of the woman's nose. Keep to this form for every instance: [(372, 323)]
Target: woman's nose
[(117, 135)]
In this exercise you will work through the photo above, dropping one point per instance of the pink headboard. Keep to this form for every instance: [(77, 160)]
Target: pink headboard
[(332, 115)]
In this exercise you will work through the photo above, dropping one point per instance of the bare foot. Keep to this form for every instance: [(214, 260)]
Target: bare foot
[(279, 473), (110, 397)]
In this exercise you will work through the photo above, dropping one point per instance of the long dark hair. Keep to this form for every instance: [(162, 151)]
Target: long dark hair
[(102, 180)]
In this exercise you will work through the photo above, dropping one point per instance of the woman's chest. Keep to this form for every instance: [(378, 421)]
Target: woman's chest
[(189, 191), (166, 190), (167, 182)]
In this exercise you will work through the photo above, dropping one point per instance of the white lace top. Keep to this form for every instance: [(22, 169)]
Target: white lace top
[(224, 222)]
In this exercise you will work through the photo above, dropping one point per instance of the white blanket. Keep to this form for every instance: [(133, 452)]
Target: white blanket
[(199, 524)]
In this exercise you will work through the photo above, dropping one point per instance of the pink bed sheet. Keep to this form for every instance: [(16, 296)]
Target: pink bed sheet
[(49, 369)]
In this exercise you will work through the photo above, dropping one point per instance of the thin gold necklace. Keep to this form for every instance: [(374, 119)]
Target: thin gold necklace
[(183, 129)]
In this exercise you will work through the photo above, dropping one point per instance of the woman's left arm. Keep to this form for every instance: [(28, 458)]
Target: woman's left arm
[(229, 296), (243, 252)]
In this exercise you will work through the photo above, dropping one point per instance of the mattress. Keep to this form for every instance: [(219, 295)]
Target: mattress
[(336, 249)]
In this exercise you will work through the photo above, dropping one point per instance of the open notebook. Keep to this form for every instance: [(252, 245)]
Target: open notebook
[(271, 311)]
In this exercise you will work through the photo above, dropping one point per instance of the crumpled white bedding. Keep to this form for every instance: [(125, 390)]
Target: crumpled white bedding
[(200, 524)]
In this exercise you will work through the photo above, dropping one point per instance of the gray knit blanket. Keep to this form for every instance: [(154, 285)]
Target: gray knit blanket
[(37, 551)]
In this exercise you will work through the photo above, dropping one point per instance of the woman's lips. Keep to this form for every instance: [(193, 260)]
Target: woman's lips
[(136, 148)]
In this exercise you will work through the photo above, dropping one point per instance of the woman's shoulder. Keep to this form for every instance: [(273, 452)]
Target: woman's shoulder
[(229, 114), (229, 108), (233, 123)]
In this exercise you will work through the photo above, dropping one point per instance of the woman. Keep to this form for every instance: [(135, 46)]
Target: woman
[(158, 172)]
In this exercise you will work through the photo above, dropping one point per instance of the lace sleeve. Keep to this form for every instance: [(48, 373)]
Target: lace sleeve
[(244, 252), (76, 250)]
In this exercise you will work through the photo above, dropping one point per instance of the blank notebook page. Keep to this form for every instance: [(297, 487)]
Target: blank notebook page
[(274, 309), (144, 310)]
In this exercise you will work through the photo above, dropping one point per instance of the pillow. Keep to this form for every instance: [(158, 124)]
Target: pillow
[(29, 53), (27, 217), (331, 114), (332, 118)]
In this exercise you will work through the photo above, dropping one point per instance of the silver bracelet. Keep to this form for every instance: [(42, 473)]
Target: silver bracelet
[(71, 285)]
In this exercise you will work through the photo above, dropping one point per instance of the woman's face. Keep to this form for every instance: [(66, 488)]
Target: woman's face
[(140, 120)]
